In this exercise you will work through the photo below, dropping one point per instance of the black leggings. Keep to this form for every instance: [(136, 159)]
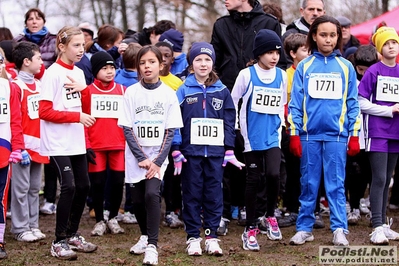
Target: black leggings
[(146, 198), (171, 188), (115, 182), (358, 175), (75, 184), (263, 167)]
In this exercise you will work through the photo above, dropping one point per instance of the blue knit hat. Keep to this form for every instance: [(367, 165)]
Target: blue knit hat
[(174, 38), (198, 48), (266, 40)]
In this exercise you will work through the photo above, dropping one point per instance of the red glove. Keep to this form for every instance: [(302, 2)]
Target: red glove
[(295, 146), (353, 146)]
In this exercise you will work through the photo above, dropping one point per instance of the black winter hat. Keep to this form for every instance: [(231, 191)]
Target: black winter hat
[(266, 40), (100, 59)]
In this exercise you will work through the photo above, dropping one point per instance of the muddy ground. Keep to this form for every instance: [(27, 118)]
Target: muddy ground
[(114, 249)]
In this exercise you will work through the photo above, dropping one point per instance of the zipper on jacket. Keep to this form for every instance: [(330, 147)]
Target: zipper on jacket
[(204, 108)]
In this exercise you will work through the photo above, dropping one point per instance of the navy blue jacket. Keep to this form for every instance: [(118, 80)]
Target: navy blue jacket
[(213, 102)]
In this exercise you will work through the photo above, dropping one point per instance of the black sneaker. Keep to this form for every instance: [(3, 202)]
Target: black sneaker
[(3, 253), (318, 223), (223, 227), (242, 216), (262, 225), (288, 219)]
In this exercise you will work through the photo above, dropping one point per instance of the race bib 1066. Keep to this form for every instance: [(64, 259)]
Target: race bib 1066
[(325, 86), (207, 131), (387, 89), (266, 100), (149, 132), (106, 105)]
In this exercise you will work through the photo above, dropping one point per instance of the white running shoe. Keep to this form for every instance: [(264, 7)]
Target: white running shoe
[(354, 217), (114, 227), (363, 207), (26, 236), (48, 208), (347, 207), (150, 255), (172, 220), (389, 233), (212, 247), (99, 229), (62, 251), (339, 238), (106, 215), (273, 231), (129, 218), (249, 241), (140, 246), (377, 237), (301, 237), (194, 246), (37, 233)]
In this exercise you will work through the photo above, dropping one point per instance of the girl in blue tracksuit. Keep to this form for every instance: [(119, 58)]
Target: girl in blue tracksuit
[(323, 115), (207, 141)]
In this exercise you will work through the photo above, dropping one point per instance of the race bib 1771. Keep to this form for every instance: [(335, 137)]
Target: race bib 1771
[(325, 86)]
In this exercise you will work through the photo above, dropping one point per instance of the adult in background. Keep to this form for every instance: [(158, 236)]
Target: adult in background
[(5, 34), (349, 42), (87, 31), (35, 31), (310, 10), (109, 39), (275, 10), (151, 35), (232, 38)]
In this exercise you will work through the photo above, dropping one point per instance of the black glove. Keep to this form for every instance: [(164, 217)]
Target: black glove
[(91, 155)]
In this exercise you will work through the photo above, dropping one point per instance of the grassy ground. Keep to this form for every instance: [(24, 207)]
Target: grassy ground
[(114, 249)]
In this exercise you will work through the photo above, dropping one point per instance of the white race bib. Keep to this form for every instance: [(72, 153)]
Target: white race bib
[(106, 105), (207, 131), (266, 100), (71, 99), (387, 89), (149, 132), (33, 105), (4, 107), (325, 86)]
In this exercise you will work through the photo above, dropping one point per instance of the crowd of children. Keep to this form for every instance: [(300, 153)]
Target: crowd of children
[(110, 116)]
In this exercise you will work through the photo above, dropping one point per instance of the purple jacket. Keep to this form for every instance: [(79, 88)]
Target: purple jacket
[(47, 47)]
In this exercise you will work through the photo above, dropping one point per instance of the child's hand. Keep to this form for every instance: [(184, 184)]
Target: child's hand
[(145, 164), (15, 156), (153, 171), (25, 161), (122, 48), (178, 160), (87, 120), (74, 86), (395, 108), (229, 157)]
